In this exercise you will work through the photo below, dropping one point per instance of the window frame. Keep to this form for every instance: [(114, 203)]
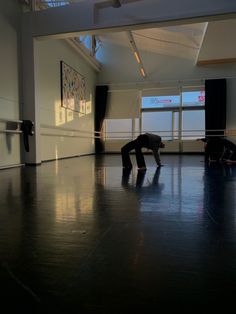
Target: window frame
[(174, 109), (177, 127)]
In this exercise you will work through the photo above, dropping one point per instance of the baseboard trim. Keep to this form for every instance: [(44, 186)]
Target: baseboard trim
[(11, 166), (32, 164), (68, 157)]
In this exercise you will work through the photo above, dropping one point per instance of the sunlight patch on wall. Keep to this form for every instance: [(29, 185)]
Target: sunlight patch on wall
[(69, 116), (89, 105), (60, 113)]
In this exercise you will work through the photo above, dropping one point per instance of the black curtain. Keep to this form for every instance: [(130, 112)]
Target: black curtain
[(101, 95), (215, 106)]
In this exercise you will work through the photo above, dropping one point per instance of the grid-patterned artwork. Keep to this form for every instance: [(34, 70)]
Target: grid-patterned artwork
[(72, 89)]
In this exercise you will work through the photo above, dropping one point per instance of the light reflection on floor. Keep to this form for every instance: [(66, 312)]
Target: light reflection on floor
[(87, 237)]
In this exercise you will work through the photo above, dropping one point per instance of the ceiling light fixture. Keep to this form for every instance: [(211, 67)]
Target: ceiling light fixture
[(136, 53), (137, 57), (143, 72)]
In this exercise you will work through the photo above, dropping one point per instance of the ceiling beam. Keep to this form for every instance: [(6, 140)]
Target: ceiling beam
[(219, 46), (85, 16), (83, 51), (216, 61)]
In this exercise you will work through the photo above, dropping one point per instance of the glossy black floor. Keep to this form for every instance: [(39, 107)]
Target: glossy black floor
[(80, 236)]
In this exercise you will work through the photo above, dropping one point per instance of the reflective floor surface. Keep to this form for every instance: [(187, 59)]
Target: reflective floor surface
[(81, 236)]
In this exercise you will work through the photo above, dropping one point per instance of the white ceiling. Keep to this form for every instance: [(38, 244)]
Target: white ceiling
[(199, 41), (181, 41)]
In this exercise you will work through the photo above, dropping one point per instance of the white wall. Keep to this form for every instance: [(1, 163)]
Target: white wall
[(60, 128), (47, 56), (9, 81)]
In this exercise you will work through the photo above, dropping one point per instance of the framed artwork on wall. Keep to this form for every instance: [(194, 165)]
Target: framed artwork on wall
[(72, 89)]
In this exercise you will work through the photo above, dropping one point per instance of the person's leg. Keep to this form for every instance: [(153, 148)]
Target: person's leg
[(126, 162), (141, 141)]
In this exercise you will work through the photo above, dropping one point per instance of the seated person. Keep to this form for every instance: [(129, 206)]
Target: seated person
[(214, 148), (219, 149)]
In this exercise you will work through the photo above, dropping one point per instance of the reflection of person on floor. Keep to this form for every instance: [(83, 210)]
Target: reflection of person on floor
[(147, 140), (140, 179)]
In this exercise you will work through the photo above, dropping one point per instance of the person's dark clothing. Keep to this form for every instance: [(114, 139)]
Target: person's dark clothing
[(218, 149), (149, 141), (214, 148), (27, 129), (229, 150)]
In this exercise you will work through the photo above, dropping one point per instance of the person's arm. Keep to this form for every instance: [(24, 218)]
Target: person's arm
[(156, 153)]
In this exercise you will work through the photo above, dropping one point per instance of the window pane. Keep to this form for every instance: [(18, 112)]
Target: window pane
[(193, 98), (158, 122), (118, 128), (161, 101), (176, 126), (55, 3), (86, 40), (193, 123)]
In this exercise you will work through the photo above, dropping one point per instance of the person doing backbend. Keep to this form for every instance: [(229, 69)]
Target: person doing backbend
[(147, 140)]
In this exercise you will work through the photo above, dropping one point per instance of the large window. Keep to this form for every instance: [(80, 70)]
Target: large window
[(195, 98), (193, 124), (158, 122), (174, 116)]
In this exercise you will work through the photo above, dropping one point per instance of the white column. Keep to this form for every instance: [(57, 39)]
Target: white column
[(29, 110)]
